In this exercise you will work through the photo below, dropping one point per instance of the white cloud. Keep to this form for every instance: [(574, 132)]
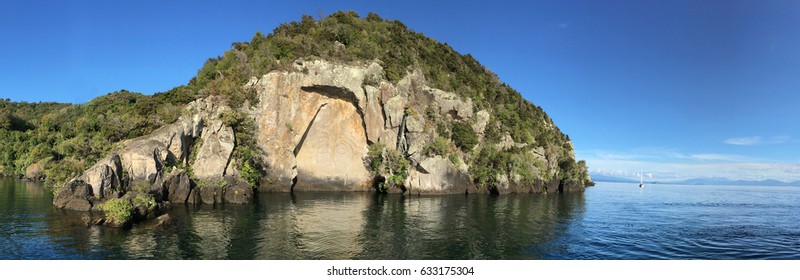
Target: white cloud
[(758, 140), (744, 141)]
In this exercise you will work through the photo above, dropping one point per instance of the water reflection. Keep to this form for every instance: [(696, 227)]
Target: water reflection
[(335, 226), (369, 226), (622, 222)]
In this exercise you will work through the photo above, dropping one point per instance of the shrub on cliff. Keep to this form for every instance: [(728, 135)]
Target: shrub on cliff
[(118, 212), (246, 150), (464, 136), (388, 165), (439, 146)]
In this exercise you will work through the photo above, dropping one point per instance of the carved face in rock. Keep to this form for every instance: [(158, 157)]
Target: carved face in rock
[(332, 152)]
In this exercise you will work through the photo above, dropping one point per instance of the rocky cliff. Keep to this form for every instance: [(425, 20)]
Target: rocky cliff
[(314, 126), (337, 124), (184, 162)]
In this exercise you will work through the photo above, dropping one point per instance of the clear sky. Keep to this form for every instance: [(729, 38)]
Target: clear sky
[(677, 88)]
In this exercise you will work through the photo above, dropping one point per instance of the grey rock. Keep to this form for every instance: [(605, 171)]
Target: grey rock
[(75, 195), (481, 120), (321, 72), (177, 138), (389, 138), (394, 108), (571, 186), (142, 158), (373, 116), (415, 123), (194, 197), (178, 187), (373, 73), (105, 176), (159, 190), (82, 190), (239, 192), (451, 104), (387, 90), (211, 194), (215, 153), (78, 204), (502, 184), (439, 176), (506, 142)]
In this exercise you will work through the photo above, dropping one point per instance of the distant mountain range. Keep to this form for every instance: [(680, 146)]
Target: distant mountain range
[(725, 181), (699, 181), (612, 179)]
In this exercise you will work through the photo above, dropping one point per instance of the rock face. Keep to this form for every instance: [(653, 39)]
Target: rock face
[(144, 160), (239, 193), (178, 188), (438, 175), (105, 176), (76, 195), (482, 119), (450, 103), (215, 152), (314, 127)]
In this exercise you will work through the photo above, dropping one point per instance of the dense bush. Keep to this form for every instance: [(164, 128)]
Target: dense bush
[(464, 136), (439, 146), (68, 138), (246, 151), (118, 210), (388, 164)]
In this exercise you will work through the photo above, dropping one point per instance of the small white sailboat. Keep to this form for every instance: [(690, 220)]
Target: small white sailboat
[(641, 181)]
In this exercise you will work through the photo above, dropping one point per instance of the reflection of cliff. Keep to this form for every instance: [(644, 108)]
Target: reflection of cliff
[(341, 225), (467, 227), (312, 226)]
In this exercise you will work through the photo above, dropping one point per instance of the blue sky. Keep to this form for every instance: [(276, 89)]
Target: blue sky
[(677, 88)]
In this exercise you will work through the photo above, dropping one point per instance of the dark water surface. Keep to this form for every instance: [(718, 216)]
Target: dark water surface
[(608, 221)]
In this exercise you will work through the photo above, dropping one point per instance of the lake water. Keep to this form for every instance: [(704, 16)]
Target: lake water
[(608, 221)]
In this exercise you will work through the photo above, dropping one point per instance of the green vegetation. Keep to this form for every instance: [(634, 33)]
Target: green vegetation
[(66, 139), (246, 151), (439, 146), (119, 210), (146, 201), (464, 136), (491, 163), (141, 187), (388, 164)]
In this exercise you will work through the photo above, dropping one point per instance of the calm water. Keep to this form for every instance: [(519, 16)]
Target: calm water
[(608, 221)]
